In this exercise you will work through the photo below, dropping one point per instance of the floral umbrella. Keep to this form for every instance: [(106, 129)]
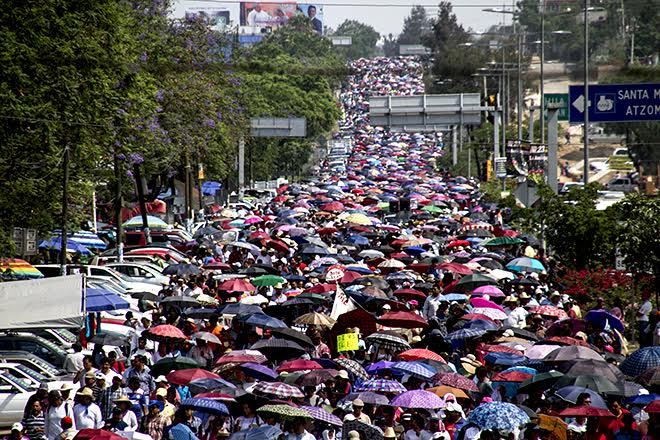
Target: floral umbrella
[(418, 399), (498, 415), (457, 381), (285, 411)]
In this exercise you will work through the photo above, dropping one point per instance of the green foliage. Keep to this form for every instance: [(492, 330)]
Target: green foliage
[(364, 39), (639, 242), (416, 27)]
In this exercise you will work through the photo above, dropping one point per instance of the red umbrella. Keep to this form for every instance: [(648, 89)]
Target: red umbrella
[(349, 277), (554, 312), (457, 268), (97, 434), (184, 377), (402, 320), (473, 316), (512, 376), (237, 285), (259, 235), (457, 243), (585, 411), (322, 288), (216, 396), (333, 207), (299, 365), (416, 354), (457, 381), (501, 349), (421, 268), (277, 245), (217, 266), (480, 302), (327, 231), (410, 294), (242, 357), (653, 407), (166, 331)]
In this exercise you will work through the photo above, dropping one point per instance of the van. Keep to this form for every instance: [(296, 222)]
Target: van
[(624, 184)]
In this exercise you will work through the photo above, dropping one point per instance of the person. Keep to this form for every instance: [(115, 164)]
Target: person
[(73, 362), (35, 422), (154, 422), (86, 413), (88, 367), (58, 409), (139, 370), (299, 432), (179, 429), (109, 395), (115, 422), (357, 414), (106, 371), (432, 303), (257, 17), (41, 395), (16, 433), (316, 23), (201, 353), (68, 430), (642, 317), (127, 415), (139, 400), (248, 419)]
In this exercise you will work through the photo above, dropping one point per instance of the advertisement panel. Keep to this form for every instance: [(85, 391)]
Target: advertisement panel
[(218, 15), (275, 14)]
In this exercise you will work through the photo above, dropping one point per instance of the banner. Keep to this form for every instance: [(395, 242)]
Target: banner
[(275, 14), (217, 15), (348, 342), (45, 303), (342, 304)]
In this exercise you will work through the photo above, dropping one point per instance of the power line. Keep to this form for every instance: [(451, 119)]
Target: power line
[(388, 5)]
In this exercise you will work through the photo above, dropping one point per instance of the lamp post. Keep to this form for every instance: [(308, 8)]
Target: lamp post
[(586, 92)]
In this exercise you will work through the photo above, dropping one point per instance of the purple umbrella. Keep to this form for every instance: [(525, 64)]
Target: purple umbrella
[(419, 399), (604, 319), (378, 366), (381, 385), (368, 397), (322, 415), (257, 371)]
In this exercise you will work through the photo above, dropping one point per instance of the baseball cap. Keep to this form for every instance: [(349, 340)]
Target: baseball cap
[(18, 426)]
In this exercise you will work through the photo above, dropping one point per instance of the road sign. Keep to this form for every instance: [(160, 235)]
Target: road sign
[(413, 49), (560, 99), (278, 127), (500, 167), (616, 103)]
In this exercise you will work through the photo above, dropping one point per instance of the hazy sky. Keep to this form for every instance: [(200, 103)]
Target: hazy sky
[(383, 15)]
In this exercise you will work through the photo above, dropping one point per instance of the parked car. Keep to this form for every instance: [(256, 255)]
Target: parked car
[(624, 184), (35, 378), (178, 240), (37, 345), (34, 362), (60, 336), (144, 273), (51, 270), (14, 394)]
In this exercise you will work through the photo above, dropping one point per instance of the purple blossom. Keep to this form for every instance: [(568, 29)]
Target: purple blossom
[(121, 156), (160, 95), (121, 112), (144, 57), (209, 123), (129, 174), (117, 143), (135, 158)]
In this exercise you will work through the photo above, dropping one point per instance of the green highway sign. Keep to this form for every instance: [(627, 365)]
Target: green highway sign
[(556, 98)]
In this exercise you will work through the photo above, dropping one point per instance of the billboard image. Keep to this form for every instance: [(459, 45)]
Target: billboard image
[(275, 14), (217, 15)]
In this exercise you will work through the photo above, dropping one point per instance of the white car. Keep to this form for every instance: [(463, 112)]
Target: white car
[(34, 378), (14, 395), (143, 273)]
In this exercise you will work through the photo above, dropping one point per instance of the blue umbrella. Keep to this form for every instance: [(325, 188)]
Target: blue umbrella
[(205, 385), (360, 269), (206, 406), (525, 264), (498, 415), (571, 393), (455, 297), (506, 359), (357, 240), (604, 319), (376, 368), (99, 300), (265, 432), (414, 250), (238, 309), (642, 399), (416, 369), (261, 320), (87, 239), (55, 243), (258, 371), (640, 361)]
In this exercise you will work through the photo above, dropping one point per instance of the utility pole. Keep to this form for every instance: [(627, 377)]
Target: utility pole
[(241, 167), (553, 145), (542, 85), (141, 201), (520, 92), (65, 208), (118, 205), (586, 92)]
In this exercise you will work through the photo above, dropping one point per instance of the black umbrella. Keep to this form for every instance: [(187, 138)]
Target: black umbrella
[(238, 309), (315, 250), (199, 313), (253, 271), (147, 296), (293, 335), (592, 367), (297, 302), (278, 348), (206, 231), (372, 281), (110, 339), (180, 301), (181, 269)]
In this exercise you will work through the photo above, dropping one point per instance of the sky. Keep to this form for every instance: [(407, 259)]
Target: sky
[(386, 16)]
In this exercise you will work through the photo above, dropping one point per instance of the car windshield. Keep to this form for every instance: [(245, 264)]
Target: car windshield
[(53, 347), (22, 382), (37, 363), (65, 335), (29, 372)]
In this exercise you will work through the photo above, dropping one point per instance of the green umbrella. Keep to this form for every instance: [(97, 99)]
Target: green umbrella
[(433, 209), (283, 411), (501, 241), (471, 282), (542, 381), (268, 280), (166, 365)]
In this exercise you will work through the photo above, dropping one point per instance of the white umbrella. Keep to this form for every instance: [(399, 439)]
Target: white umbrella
[(254, 299)]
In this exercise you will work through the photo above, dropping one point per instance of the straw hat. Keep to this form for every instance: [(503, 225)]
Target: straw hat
[(85, 392), (389, 433), (470, 363), (123, 399)]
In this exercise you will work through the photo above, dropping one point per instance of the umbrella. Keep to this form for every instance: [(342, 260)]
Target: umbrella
[(268, 280), (97, 434), (388, 341), (166, 331), (365, 431), (208, 406), (418, 399), (293, 335), (316, 377), (278, 347), (181, 269), (381, 385), (470, 282), (442, 390), (498, 415), (541, 381), (653, 407), (506, 359), (585, 411), (110, 339), (315, 318), (511, 376), (299, 365), (420, 353), (640, 361), (402, 319), (571, 394), (255, 250), (199, 313), (284, 411), (492, 291), (352, 367), (594, 367), (572, 353), (18, 269), (368, 397), (415, 369), (525, 264), (179, 301), (456, 380), (539, 351), (501, 241), (261, 320), (152, 222), (554, 425), (650, 377), (185, 376), (472, 329), (603, 319), (490, 313), (166, 365), (593, 382), (551, 311), (98, 300), (278, 390), (410, 294), (456, 268), (236, 285), (199, 386), (359, 219), (242, 356), (482, 303), (264, 432), (258, 371), (322, 415), (55, 244)]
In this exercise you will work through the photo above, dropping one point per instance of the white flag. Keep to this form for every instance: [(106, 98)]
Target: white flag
[(342, 304)]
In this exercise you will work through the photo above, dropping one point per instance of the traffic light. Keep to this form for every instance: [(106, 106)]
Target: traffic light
[(492, 101)]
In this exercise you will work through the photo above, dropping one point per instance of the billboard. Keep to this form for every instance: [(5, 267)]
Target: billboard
[(275, 14), (218, 15)]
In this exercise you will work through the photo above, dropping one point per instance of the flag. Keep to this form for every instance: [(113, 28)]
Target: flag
[(342, 304)]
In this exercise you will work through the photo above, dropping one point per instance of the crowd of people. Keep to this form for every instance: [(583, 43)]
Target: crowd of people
[(335, 316)]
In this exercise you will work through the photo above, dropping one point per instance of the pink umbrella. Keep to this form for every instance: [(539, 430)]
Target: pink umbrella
[(481, 303), (253, 220), (492, 291)]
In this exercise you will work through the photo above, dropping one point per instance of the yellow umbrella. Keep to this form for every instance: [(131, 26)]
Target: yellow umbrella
[(359, 219), (315, 319), (555, 425), (440, 391)]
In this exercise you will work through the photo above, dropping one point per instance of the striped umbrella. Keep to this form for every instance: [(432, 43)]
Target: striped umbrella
[(415, 369), (388, 340), (352, 367), (278, 390), (322, 415), (86, 238), (15, 268), (381, 385)]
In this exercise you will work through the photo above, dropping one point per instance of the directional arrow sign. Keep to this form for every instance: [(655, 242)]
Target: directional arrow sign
[(616, 103)]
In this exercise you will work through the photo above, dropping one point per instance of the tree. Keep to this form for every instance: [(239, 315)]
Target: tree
[(364, 39), (390, 46), (416, 27)]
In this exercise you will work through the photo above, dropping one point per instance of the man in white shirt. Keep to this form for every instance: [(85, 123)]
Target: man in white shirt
[(643, 313), (258, 17), (87, 414), (74, 361), (432, 303)]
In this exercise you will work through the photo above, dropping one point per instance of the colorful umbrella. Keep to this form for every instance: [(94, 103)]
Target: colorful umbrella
[(381, 385), (368, 397), (420, 353), (585, 411), (299, 365), (572, 353), (402, 319), (442, 390), (551, 311), (525, 264), (166, 331), (278, 390), (152, 222), (418, 399), (284, 411), (571, 394), (322, 415), (184, 377), (208, 406), (15, 268), (498, 415), (457, 381), (416, 369)]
